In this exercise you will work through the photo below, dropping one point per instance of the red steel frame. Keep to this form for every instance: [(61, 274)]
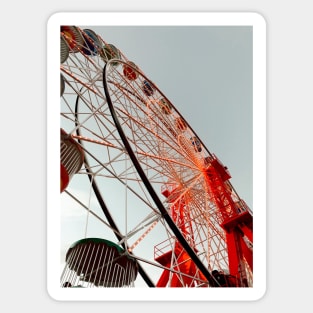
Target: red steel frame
[(235, 219)]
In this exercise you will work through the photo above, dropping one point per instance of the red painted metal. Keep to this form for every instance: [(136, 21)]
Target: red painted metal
[(234, 217)]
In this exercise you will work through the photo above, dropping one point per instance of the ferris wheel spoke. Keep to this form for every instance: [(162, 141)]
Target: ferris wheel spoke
[(100, 169), (155, 143), (87, 208), (78, 82)]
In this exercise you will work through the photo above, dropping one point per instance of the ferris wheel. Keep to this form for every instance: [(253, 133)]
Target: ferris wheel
[(163, 201)]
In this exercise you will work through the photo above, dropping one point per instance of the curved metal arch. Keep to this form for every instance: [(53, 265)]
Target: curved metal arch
[(146, 182), (101, 201)]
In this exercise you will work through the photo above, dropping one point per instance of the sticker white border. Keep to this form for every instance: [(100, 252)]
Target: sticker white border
[(259, 155)]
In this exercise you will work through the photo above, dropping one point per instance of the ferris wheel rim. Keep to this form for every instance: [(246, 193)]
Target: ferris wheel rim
[(144, 178), (137, 69), (104, 207)]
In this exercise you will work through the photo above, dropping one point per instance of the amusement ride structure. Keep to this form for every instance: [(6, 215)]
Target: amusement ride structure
[(165, 203)]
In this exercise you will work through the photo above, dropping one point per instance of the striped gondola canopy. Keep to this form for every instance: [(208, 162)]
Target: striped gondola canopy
[(73, 37), (96, 262), (72, 158)]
